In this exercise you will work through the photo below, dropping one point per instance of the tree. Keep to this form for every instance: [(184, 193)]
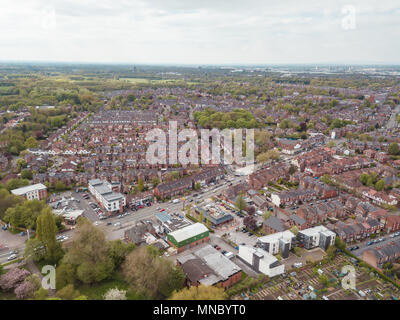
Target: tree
[(155, 182), (60, 186), (197, 186), (41, 294), (20, 164), (140, 185), (65, 275), (7, 200), (201, 292), (294, 230), (201, 217), (115, 294), (28, 288), (150, 275), (68, 293), (331, 252), (268, 155), (34, 250), (26, 174), (250, 222), (364, 178), (240, 204), (46, 231), (118, 250), (24, 215), (380, 185), (208, 222), (13, 278), (31, 143), (394, 149), (16, 183), (266, 215), (331, 144), (323, 279), (251, 210), (88, 254), (339, 243)]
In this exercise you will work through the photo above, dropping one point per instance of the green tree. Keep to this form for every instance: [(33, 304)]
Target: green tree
[(16, 183), (197, 186), (380, 185), (140, 185), (364, 178), (88, 254), (294, 230), (331, 144), (118, 250), (26, 174), (31, 143), (150, 275), (323, 279), (394, 149), (68, 293), (155, 182), (240, 204), (65, 275), (46, 231)]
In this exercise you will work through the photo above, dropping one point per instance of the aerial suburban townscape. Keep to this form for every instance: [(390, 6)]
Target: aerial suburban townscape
[(195, 159), (78, 192)]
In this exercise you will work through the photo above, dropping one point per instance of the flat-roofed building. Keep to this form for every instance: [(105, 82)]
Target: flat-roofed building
[(207, 266), (112, 202), (280, 241), (318, 236), (36, 191), (260, 261)]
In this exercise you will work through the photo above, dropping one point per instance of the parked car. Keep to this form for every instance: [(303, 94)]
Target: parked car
[(370, 243), (12, 257)]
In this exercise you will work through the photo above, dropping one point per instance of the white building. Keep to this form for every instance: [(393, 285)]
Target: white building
[(109, 200), (261, 261), (318, 236), (35, 191), (280, 241)]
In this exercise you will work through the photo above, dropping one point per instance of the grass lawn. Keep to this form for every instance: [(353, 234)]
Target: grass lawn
[(96, 291)]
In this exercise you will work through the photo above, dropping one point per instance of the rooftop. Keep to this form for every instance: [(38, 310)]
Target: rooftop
[(24, 190)]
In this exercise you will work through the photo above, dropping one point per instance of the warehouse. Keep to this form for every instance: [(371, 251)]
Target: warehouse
[(189, 236)]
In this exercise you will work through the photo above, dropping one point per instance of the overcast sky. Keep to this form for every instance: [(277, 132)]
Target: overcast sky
[(201, 31)]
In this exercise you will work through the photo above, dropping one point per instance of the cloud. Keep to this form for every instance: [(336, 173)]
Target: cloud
[(199, 32)]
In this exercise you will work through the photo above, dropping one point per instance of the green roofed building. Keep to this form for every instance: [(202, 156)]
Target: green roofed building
[(189, 236)]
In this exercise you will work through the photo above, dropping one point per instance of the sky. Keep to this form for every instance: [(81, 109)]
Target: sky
[(201, 31)]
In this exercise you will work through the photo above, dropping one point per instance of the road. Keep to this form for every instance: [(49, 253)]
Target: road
[(392, 123), (363, 245), (113, 232)]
